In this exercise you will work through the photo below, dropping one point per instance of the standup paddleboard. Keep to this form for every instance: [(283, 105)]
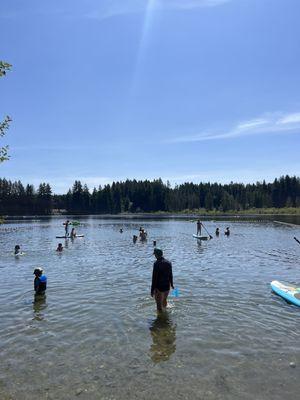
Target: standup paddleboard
[(201, 237), (288, 292), (68, 237)]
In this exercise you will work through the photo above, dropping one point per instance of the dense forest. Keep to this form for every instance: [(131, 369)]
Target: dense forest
[(148, 196)]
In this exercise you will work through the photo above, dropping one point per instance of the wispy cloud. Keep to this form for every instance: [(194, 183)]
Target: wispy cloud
[(188, 4), (101, 10), (112, 8), (267, 124)]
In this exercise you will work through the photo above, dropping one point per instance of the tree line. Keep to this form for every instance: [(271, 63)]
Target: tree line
[(147, 196)]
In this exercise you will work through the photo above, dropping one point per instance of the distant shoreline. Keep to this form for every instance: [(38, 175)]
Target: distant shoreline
[(188, 214)]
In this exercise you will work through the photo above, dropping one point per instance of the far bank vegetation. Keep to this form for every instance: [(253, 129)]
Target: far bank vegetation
[(132, 196)]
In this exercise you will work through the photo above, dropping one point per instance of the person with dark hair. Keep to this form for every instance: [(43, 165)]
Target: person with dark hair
[(40, 281), (59, 247), (227, 232), (66, 224), (17, 249), (162, 279)]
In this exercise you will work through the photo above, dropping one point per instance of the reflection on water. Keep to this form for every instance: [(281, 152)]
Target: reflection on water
[(163, 333), (39, 305)]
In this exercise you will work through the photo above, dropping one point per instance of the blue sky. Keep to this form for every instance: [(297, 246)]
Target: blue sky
[(185, 90)]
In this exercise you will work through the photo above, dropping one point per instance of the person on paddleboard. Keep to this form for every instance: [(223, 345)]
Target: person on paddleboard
[(40, 281), (73, 233), (162, 280), (199, 225), (66, 224)]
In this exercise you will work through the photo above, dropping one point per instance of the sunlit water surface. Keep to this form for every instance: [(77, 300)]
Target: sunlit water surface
[(96, 334)]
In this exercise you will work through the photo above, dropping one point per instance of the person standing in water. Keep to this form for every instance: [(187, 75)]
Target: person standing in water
[(199, 225), (40, 281), (162, 280), (217, 232), (227, 232)]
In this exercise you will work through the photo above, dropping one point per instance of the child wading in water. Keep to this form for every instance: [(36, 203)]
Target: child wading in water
[(40, 281)]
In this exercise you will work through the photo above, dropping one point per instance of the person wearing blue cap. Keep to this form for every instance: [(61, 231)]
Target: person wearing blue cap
[(40, 281), (162, 279)]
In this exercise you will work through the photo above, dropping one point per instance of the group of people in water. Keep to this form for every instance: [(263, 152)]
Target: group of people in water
[(162, 274), (73, 231), (142, 236), (72, 235), (200, 226)]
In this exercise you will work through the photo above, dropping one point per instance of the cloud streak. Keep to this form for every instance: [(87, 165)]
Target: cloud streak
[(268, 124), (120, 7)]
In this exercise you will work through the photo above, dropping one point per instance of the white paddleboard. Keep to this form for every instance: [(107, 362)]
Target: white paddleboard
[(201, 237)]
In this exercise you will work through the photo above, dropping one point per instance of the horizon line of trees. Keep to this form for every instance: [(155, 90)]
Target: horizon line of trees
[(147, 196)]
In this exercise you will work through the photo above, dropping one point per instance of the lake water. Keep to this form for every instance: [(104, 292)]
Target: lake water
[(96, 334)]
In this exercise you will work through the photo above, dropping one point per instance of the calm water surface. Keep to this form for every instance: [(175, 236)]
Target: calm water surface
[(96, 334)]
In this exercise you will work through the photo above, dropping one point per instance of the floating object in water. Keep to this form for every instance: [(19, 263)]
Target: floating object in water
[(201, 237), (75, 223), (288, 292), (68, 237), (21, 253), (175, 292)]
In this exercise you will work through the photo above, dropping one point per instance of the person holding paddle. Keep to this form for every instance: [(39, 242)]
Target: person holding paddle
[(199, 225)]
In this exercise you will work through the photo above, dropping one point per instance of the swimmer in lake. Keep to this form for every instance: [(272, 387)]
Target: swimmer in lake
[(17, 249), (59, 247)]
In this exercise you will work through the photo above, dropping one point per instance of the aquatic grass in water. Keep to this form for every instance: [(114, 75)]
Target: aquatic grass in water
[(96, 334)]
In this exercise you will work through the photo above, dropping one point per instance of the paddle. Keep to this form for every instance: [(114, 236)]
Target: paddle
[(207, 231), (297, 239)]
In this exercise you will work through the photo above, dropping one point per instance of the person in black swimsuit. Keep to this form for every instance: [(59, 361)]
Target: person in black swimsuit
[(162, 280)]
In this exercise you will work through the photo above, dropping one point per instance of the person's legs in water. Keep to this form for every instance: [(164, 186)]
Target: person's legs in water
[(165, 299), (159, 300)]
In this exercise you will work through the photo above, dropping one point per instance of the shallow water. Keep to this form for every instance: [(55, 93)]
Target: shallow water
[(96, 334)]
